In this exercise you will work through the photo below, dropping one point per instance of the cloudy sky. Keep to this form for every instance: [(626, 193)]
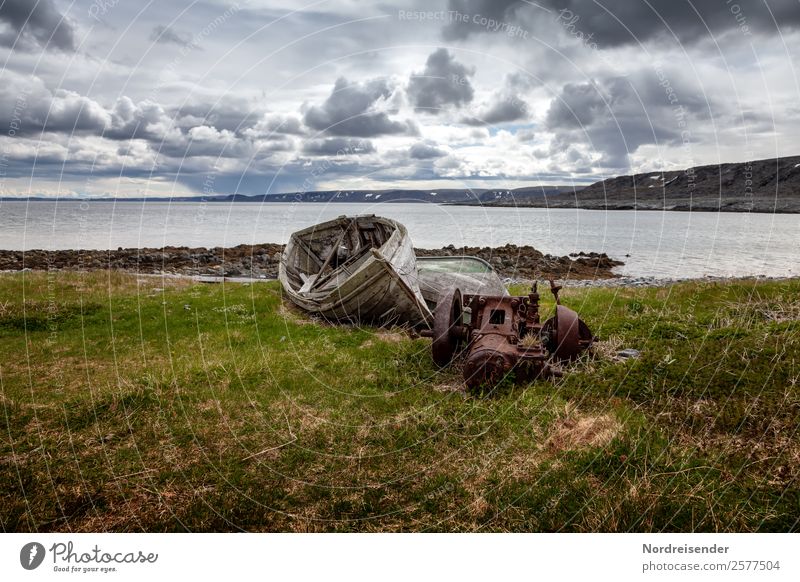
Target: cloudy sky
[(177, 97)]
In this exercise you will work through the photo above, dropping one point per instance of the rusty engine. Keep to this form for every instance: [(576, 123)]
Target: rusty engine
[(503, 337)]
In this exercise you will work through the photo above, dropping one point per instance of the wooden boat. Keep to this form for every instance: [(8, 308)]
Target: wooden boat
[(355, 269)]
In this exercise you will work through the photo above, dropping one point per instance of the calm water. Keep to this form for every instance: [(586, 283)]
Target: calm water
[(659, 244)]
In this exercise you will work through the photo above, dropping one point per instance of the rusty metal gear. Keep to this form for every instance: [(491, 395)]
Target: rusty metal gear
[(504, 337), (448, 331), (566, 334)]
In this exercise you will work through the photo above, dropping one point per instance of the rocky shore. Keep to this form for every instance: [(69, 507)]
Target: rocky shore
[(525, 262), (261, 261)]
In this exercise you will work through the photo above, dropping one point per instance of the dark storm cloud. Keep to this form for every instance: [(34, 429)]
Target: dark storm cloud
[(302, 175), (506, 105), (505, 109), (35, 108), (525, 134), (495, 10), (274, 125), (338, 146), (227, 113), (225, 129), (646, 91), (443, 82), (351, 110), (425, 151), (250, 183), (167, 35), (73, 120), (618, 22), (204, 141), (510, 108), (577, 106), (615, 116), (37, 22), (29, 107), (146, 120)]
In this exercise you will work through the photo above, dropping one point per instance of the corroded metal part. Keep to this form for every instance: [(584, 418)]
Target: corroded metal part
[(567, 334), (448, 329), (504, 338), (498, 324)]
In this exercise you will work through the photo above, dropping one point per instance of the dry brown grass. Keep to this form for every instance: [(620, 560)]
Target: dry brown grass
[(608, 349), (293, 314), (576, 431)]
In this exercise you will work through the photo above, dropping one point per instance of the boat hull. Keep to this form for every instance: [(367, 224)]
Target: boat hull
[(379, 288)]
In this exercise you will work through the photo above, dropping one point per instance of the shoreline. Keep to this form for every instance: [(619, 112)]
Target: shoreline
[(620, 282), (261, 261), (253, 263)]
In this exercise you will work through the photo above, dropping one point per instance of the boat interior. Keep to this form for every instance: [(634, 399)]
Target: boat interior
[(324, 258)]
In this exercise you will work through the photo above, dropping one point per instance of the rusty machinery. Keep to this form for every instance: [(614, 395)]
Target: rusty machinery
[(499, 335)]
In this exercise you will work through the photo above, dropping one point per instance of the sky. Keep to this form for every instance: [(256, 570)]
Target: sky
[(116, 98)]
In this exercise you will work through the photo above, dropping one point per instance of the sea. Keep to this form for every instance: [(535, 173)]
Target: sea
[(668, 245)]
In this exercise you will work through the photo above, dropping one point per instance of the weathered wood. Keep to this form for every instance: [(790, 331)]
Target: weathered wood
[(376, 285)]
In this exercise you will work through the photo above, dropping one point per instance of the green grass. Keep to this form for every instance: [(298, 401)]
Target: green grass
[(163, 405)]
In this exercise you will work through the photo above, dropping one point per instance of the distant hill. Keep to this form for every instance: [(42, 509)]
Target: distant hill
[(369, 196), (771, 185), (440, 196)]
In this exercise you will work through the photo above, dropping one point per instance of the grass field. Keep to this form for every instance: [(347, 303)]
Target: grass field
[(154, 404)]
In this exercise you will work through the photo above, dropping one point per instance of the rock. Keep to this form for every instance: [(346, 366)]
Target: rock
[(629, 353), (262, 260)]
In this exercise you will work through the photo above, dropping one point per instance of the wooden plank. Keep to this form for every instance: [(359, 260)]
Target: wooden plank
[(311, 254)]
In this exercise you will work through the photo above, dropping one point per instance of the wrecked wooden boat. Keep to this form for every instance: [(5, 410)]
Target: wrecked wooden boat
[(358, 269)]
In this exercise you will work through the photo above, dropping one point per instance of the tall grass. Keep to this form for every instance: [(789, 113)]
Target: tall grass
[(148, 404)]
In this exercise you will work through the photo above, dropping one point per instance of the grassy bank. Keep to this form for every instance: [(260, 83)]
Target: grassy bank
[(160, 405)]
